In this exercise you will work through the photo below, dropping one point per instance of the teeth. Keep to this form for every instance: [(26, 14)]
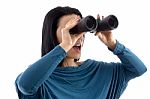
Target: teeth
[(78, 45)]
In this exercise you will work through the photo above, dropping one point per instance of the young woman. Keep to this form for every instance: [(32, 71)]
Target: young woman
[(60, 75)]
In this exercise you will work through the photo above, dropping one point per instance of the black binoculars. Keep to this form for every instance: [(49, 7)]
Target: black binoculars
[(90, 24)]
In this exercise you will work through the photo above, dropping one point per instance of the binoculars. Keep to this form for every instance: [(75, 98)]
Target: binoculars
[(90, 24)]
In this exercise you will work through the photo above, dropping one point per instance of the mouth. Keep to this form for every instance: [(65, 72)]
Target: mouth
[(77, 48)]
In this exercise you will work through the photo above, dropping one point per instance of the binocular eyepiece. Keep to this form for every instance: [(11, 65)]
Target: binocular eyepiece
[(90, 24)]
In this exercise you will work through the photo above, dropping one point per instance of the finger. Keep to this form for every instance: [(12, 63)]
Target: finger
[(106, 32), (97, 33), (102, 17), (71, 23), (64, 33), (80, 35), (75, 37), (98, 17), (100, 36), (78, 17)]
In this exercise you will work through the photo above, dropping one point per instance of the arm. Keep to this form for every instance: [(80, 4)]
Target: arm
[(32, 78), (29, 81), (132, 65)]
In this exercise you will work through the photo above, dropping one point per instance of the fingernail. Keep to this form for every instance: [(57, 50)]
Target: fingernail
[(102, 17), (98, 17)]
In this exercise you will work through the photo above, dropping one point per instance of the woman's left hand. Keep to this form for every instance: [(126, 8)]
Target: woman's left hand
[(106, 37)]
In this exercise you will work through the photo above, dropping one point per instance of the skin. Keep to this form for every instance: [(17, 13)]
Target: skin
[(67, 40)]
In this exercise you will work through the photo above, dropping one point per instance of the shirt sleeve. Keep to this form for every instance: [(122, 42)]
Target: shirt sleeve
[(132, 65), (33, 77)]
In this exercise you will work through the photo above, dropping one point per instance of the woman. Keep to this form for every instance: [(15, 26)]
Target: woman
[(60, 75)]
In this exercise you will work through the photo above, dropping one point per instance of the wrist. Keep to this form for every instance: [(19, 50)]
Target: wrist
[(112, 44), (66, 47)]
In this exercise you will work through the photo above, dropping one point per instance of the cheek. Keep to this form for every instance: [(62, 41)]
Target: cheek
[(72, 54)]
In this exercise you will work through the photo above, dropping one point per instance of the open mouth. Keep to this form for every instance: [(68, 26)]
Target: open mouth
[(77, 47)]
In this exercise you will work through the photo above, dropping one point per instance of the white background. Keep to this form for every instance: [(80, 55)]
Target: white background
[(21, 30)]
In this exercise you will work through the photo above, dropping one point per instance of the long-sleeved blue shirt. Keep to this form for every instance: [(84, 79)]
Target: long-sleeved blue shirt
[(93, 79)]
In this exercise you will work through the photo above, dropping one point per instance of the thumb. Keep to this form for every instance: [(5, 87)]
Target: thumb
[(99, 35), (81, 34), (77, 36)]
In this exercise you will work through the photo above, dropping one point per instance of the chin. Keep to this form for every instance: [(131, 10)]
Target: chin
[(77, 57), (74, 56)]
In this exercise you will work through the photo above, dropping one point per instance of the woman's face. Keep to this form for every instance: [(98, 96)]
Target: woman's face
[(75, 51)]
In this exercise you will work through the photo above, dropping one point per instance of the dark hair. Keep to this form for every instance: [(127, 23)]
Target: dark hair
[(49, 38)]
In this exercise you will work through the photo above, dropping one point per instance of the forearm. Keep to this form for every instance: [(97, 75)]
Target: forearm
[(38, 72), (132, 65)]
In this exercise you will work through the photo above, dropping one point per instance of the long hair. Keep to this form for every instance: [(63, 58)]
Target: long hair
[(49, 38)]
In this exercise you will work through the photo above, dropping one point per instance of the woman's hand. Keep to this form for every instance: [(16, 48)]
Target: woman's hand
[(106, 37), (69, 40)]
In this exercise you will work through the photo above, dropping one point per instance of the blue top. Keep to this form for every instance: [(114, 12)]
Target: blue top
[(44, 79)]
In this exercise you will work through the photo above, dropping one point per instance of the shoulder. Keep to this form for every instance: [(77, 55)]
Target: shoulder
[(102, 64), (17, 78), (16, 84), (91, 62), (94, 62)]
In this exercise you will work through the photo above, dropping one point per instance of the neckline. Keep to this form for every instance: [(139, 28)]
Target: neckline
[(75, 73), (81, 66)]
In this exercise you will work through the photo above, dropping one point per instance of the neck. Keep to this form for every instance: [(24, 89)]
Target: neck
[(69, 62)]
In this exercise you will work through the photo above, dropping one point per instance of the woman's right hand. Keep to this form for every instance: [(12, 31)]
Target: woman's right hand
[(69, 40)]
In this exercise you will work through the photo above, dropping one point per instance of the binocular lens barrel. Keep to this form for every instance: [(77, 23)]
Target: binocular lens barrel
[(108, 23), (86, 24), (90, 24)]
